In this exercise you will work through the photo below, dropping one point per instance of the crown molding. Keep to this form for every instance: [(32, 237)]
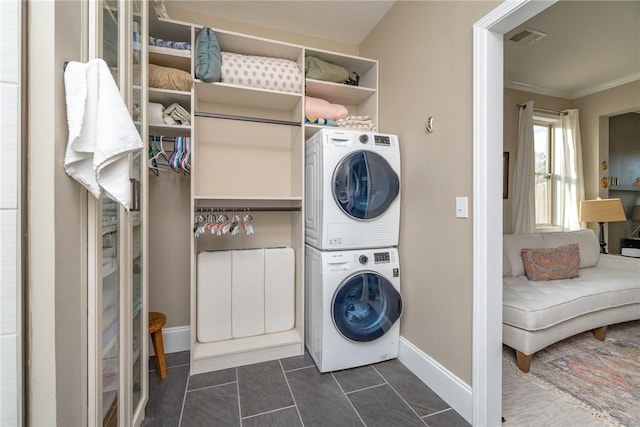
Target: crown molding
[(572, 95)]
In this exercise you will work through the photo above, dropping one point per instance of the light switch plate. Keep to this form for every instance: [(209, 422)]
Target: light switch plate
[(462, 207)]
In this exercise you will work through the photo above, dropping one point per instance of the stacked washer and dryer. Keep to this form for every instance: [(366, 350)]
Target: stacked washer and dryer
[(352, 218)]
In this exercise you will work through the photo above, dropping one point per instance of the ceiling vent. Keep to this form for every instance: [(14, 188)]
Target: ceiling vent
[(527, 36)]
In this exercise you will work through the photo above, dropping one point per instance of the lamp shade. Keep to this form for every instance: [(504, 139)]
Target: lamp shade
[(602, 210), (635, 213)]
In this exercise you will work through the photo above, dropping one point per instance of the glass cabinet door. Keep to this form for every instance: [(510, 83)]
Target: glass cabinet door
[(137, 312), (110, 312), (109, 45)]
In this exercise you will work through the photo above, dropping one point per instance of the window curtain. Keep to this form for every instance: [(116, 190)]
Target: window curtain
[(568, 174), (523, 209)]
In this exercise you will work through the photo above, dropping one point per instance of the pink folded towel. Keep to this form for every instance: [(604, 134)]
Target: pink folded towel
[(316, 107)]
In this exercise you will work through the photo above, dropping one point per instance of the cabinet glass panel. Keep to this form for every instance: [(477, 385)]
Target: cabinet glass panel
[(110, 41), (136, 214), (110, 313)]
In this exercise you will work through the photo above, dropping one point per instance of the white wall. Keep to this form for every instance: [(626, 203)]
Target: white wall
[(10, 215)]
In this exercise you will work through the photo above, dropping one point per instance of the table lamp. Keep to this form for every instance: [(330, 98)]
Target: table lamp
[(601, 211)]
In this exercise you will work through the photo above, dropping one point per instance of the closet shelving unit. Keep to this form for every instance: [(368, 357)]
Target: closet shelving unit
[(252, 160)]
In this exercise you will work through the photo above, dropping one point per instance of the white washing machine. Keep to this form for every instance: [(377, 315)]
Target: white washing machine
[(352, 190), (352, 307)]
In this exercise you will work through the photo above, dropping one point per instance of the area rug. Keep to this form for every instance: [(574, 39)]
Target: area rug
[(603, 376)]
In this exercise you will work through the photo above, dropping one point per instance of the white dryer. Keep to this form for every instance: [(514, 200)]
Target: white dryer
[(352, 307), (352, 190)]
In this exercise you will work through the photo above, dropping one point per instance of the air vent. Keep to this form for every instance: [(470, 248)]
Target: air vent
[(527, 36)]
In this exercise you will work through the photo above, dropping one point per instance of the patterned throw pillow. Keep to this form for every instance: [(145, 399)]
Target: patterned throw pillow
[(551, 263)]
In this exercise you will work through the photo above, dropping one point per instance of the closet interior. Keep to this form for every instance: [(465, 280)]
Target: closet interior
[(226, 187)]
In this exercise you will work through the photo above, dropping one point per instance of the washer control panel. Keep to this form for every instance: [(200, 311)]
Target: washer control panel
[(381, 257)]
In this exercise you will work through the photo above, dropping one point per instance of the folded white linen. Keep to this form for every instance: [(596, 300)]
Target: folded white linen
[(101, 132), (155, 113)]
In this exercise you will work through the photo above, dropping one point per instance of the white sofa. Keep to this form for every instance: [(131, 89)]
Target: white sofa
[(539, 313)]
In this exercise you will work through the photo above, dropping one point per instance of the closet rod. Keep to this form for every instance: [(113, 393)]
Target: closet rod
[(248, 209), (166, 138), (544, 110), (245, 118)]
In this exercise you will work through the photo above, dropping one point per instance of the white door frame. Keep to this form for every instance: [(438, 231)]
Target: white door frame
[(488, 90)]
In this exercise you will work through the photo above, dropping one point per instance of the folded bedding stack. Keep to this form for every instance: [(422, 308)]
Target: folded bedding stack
[(321, 112), (169, 44), (320, 121), (357, 122), (175, 114)]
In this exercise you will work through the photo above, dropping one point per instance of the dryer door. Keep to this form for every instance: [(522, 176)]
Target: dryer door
[(365, 306), (364, 185)]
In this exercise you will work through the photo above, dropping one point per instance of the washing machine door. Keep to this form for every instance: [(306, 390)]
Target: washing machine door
[(364, 185), (365, 306)]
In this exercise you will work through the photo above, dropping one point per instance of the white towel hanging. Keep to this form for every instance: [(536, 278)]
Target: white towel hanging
[(101, 132)]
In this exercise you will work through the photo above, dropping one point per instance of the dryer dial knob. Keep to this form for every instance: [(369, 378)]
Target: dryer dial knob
[(363, 259), (364, 138)]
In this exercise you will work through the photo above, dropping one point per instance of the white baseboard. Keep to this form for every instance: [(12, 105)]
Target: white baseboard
[(449, 387), (175, 339)]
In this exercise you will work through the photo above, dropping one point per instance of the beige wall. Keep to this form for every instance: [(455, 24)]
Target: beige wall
[(57, 226), (425, 52), (510, 134)]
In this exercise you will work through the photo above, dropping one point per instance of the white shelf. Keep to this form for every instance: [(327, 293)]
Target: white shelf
[(167, 97), (169, 130), (174, 58), (338, 93), (246, 96), (243, 351), (249, 199), (624, 188)]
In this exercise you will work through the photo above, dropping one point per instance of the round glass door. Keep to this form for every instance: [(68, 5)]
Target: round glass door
[(365, 306), (364, 185)]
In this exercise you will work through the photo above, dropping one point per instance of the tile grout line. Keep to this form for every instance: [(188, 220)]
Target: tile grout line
[(210, 386), (295, 404), (437, 412), (348, 400), (184, 397), (400, 396), (268, 412), (298, 369), (363, 389), (238, 389)]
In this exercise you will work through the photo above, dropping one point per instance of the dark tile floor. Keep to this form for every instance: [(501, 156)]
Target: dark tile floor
[(292, 392)]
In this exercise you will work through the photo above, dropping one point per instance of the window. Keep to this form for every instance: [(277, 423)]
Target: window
[(548, 171)]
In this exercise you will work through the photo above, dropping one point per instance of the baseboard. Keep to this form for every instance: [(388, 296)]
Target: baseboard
[(449, 387), (175, 339)]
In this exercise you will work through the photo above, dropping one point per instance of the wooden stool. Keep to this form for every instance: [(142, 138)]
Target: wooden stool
[(156, 322)]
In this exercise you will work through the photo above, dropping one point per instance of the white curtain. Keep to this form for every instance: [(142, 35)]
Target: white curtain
[(568, 173), (523, 208)]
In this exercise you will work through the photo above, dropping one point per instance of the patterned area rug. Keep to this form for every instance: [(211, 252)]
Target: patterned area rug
[(604, 377)]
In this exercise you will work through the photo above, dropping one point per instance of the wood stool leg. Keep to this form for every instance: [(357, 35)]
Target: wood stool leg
[(158, 348)]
